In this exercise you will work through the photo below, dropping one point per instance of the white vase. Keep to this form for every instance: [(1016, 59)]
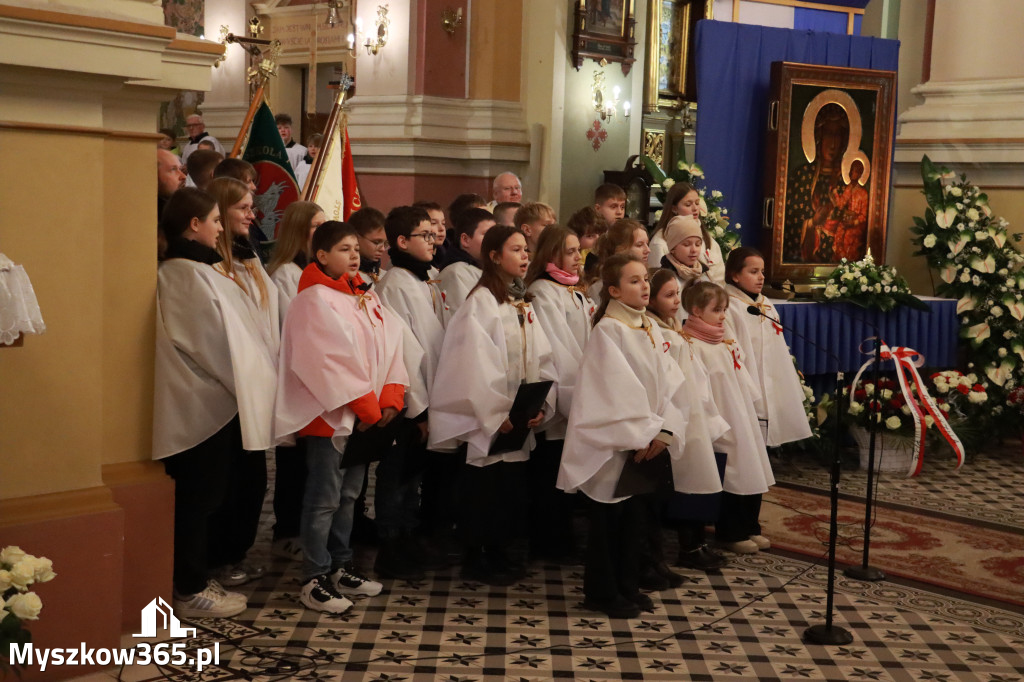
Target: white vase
[(892, 452)]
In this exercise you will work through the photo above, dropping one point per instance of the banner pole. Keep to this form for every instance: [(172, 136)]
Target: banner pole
[(312, 187), (247, 122)]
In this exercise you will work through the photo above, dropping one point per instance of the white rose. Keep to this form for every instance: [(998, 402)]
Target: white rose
[(12, 555), (1002, 352), (5, 581), (25, 606), (980, 235), (862, 280), (996, 311), (843, 290), (886, 394), (942, 388), (972, 214), (856, 408), (869, 389), (971, 379), (42, 569), (955, 191), (905, 409), (945, 406), (977, 397), (893, 423), (929, 241), (878, 288), (715, 194), (831, 290), (23, 574), (929, 421), (667, 183), (965, 277), (888, 289)]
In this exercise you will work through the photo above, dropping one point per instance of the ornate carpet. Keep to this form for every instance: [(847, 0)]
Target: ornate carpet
[(965, 557)]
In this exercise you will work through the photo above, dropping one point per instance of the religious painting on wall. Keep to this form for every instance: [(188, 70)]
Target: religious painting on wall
[(672, 28), (828, 159), (604, 31)]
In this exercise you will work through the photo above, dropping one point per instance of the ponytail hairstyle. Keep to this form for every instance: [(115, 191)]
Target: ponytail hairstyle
[(737, 259), (293, 234), (182, 206), (493, 278), (618, 238), (228, 192), (550, 247), (659, 278), (611, 275)]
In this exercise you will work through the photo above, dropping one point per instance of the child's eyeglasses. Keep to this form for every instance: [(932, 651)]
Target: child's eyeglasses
[(425, 236)]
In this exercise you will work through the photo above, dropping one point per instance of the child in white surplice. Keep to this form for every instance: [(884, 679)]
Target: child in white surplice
[(493, 344), (748, 472), (768, 358), (564, 311), (627, 404)]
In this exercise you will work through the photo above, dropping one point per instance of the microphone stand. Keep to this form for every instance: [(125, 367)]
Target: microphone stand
[(829, 633), (865, 571)]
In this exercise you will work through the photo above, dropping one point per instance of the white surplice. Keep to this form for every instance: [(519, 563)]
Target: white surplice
[(486, 355), (421, 307), (628, 391), (771, 364), (564, 313), (698, 471), (286, 279), (457, 280), (212, 360), (747, 469)]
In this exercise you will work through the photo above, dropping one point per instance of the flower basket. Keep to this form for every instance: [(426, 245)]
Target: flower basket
[(893, 453)]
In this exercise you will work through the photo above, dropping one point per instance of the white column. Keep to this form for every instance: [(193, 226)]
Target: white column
[(225, 105), (973, 109)]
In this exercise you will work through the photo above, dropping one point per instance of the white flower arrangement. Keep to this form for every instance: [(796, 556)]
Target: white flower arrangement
[(869, 285), (986, 277), (18, 572)]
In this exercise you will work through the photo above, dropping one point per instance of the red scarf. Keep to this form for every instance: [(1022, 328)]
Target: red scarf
[(709, 333), (353, 285)]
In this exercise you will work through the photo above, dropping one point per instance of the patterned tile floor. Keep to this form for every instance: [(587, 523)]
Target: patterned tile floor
[(745, 621)]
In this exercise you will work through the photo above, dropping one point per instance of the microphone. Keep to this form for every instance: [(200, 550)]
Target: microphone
[(756, 312)]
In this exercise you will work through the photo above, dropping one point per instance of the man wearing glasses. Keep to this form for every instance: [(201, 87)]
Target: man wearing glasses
[(196, 130)]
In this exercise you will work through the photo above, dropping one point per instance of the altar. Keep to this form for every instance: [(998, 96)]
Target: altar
[(842, 329)]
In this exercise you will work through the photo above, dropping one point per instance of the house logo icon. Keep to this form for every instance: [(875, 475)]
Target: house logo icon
[(159, 609)]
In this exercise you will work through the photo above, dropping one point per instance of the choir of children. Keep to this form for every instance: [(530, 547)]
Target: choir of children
[(654, 421)]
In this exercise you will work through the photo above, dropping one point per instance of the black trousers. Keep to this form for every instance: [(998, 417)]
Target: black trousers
[(551, 532), (492, 504), (233, 526), (738, 517), (201, 476), (652, 508), (613, 549), (439, 493), (289, 484), (396, 497)]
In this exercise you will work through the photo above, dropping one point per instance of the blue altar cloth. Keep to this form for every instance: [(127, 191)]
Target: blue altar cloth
[(842, 328)]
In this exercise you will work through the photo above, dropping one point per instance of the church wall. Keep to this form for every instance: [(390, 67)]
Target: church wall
[(496, 40)]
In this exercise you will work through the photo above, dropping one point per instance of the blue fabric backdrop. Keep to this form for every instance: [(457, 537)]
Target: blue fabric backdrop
[(734, 64)]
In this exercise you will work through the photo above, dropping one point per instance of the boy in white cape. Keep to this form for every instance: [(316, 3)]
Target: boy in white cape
[(462, 271), (341, 369)]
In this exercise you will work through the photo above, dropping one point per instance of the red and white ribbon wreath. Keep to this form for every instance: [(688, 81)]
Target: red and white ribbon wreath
[(907, 361)]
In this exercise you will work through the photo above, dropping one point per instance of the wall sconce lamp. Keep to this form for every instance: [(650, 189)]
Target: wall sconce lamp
[(451, 19), (605, 108), (372, 47)]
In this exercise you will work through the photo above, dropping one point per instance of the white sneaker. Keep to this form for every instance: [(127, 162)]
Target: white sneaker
[(317, 594), (231, 576), (219, 589), (347, 581), (210, 603), (740, 547), (761, 541), (287, 548)]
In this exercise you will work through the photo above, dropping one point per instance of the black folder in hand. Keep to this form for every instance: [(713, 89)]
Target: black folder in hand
[(529, 401), (370, 445), (649, 476)]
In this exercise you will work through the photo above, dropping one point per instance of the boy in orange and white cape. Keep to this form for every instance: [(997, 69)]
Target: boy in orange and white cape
[(341, 370)]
